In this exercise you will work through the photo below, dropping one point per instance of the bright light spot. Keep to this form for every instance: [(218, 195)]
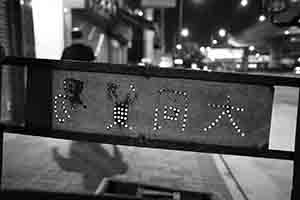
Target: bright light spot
[(166, 62), (215, 42), (298, 59), (257, 55), (224, 53), (202, 49), (297, 70), (262, 18), (244, 3), (231, 41), (146, 60), (76, 29), (238, 66), (194, 66), (252, 66), (138, 12), (178, 46), (205, 68), (22, 2), (286, 32), (141, 64), (251, 48), (178, 61), (208, 48), (185, 32), (222, 32), (66, 10), (293, 39)]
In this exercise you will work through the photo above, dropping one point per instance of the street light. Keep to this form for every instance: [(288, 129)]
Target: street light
[(215, 42), (286, 32), (178, 46), (222, 32), (262, 18), (251, 48), (185, 32), (244, 3)]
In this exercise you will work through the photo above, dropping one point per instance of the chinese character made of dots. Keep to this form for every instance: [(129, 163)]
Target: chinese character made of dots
[(121, 105), (173, 110), (225, 113)]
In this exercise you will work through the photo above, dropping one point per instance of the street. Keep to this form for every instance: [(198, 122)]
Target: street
[(69, 166)]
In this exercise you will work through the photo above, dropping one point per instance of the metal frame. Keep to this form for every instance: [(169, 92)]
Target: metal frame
[(44, 68)]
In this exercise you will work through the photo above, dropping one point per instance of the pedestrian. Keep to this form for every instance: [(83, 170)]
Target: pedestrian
[(79, 52)]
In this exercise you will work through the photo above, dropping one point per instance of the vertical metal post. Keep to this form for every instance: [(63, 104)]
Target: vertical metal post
[(177, 38), (2, 54), (162, 30), (1, 153), (180, 20), (149, 36), (296, 175), (15, 76)]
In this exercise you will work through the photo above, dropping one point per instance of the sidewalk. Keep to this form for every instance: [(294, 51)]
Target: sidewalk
[(258, 178), (29, 163), (261, 178)]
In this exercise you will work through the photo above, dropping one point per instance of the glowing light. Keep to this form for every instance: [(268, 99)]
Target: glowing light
[(224, 53), (252, 66), (178, 46), (257, 55), (76, 29), (222, 32), (251, 48), (244, 3), (138, 12), (194, 66), (202, 49), (298, 59), (185, 32), (166, 62), (262, 18), (286, 32), (293, 39), (297, 70), (178, 61), (215, 42), (146, 60), (205, 68)]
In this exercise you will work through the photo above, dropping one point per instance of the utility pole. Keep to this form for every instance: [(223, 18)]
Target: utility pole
[(162, 30), (177, 37), (180, 20)]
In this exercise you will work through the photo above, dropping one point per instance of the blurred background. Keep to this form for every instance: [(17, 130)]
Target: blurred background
[(248, 36), (235, 35)]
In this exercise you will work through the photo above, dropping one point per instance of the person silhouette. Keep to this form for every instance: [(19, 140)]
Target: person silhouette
[(79, 52), (90, 159)]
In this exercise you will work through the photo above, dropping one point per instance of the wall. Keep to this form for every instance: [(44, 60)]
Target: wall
[(48, 28)]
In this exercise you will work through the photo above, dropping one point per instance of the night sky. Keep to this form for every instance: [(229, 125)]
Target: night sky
[(205, 17)]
